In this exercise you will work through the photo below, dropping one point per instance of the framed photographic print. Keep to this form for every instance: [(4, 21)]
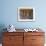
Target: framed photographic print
[(26, 14)]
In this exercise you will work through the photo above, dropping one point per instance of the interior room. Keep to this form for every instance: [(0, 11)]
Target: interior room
[(23, 18)]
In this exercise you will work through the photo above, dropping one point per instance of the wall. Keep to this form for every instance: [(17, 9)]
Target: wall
[(9, 13)]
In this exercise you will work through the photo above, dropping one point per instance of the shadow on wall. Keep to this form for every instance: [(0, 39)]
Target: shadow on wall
[(2, 26)]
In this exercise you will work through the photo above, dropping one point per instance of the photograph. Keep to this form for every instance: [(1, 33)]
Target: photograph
[(26, 14)]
